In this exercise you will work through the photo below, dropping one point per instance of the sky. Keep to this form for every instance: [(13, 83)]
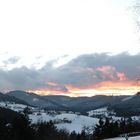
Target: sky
[(70, 47)]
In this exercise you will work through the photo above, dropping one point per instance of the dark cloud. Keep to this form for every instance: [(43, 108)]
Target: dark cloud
[(86, 69), (82, 71), (123, 62), (24, 79)]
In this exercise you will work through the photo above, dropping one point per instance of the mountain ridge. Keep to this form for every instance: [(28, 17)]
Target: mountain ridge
[(120, 104)]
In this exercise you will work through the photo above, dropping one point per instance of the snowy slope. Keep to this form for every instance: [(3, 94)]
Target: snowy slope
[(78, 122), (127, 98), (100, 111), (70, 122), (13, 106), (121, 138)]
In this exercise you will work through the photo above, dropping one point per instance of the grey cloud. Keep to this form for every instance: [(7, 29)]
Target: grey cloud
[(24, 79), (11, 60), (82, 71), (123, 62)]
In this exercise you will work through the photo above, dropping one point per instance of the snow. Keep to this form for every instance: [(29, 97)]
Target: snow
[(98, 111), (35, 100), (13, 106), (70, 122), (78, 122), (127, 98), (103, 112), (122, 138)]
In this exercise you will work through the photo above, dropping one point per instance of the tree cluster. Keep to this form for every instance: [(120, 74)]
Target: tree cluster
[(109, 128)]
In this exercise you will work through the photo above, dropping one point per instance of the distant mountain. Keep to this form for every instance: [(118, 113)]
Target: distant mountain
[(84, 104), (58, 102), (35, 100), (66, 100), (7, 98), (122, 105), (129, 106)]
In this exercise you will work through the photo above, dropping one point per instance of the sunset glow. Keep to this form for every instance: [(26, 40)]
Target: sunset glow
[(102, 88)]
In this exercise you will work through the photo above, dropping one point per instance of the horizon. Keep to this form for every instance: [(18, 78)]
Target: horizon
[(71, 96), (74, 48)]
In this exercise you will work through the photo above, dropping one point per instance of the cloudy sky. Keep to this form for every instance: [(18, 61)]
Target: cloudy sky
[(71, 47)]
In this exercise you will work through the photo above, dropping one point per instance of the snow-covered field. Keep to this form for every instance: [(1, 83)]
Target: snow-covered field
[(70, 122), (100, 111), (13, 106), (103, 112), (121, 138)]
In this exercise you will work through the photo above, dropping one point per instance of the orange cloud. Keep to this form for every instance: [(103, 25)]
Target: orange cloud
[(111, 73), (48, 92), (52, 83), (121, 76), (106, 88), (105, 69)]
